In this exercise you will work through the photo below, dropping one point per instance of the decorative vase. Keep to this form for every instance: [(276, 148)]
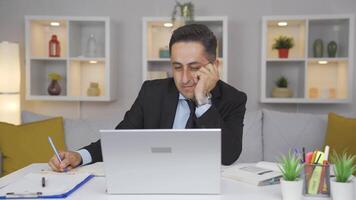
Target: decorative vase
[(283, 53), (54, 88), (332, 48), (93, 89), (91, 46), (318, 48), (281, 92), (292, 190), (54, 47), (342, 191)]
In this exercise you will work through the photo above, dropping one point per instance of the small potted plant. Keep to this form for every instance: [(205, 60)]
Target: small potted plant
[(186, 11), (283, 44), (54, 88), (291, 183), (281, 90), (342, 187)]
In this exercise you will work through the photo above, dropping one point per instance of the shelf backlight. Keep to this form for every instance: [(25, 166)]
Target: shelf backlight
[(282, 23), (55, 24), (168, 24), (323, 62), (93, 61)]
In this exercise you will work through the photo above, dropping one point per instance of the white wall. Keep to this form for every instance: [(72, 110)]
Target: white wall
[(244, 44)]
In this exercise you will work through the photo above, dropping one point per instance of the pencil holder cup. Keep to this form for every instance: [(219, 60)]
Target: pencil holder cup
[(317, 180)]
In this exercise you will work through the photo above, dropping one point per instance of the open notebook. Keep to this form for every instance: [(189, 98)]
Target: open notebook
[(57, 185)]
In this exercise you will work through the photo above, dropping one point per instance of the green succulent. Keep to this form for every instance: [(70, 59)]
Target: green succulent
[(290, 166), (343, 166), (54, 76), (282, 82), (283, 42)]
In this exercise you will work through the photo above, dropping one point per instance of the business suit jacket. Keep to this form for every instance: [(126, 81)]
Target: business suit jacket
[(155, 108)]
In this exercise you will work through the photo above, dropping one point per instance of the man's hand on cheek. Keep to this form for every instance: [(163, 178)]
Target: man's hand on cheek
[(206, 79)]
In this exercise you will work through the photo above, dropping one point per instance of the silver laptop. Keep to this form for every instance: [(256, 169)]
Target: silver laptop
[(162, 161)]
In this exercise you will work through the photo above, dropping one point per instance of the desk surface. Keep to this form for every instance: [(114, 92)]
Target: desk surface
[(95, 189)]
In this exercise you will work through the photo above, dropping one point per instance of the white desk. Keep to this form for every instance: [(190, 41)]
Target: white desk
[(95, 189)]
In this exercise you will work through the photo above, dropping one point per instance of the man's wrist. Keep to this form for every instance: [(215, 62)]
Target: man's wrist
[(85, 156), (206, 99)]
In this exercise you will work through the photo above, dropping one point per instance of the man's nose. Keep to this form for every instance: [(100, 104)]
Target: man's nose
[(186, 76)]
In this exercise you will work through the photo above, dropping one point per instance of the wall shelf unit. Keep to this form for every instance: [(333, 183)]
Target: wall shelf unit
[(79, 63), (156, 36), (312, 78)]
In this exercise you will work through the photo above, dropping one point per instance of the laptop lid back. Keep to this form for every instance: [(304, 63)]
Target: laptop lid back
[(162, 161)]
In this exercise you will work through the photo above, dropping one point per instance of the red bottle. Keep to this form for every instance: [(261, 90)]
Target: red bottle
[(54, 47)]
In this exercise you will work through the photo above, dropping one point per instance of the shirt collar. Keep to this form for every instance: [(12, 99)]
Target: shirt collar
[(181, 97)]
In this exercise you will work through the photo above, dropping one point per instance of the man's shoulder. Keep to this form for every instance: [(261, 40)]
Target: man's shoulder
[(159, 86), (230, 92), (158, 82)]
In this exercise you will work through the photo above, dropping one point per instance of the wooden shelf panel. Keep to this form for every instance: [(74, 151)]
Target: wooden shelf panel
[(82, 73), (315, 80), (329, 30), (327, 81), (295, 29), (39, 80), (75, 65), (293, 71), (80, 31), (40, 34)]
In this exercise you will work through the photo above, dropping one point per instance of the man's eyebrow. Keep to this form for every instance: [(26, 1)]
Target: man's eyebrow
[(176, 63), (194, 63), (189, 64)]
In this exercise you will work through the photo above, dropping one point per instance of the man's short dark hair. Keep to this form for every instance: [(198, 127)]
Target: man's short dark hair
[(196, 33)]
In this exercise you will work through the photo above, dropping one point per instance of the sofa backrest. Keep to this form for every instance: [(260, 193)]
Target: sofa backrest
[(283, 131), (78, 132)]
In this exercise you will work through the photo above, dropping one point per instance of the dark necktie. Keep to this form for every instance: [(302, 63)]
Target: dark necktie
[(192, 117)]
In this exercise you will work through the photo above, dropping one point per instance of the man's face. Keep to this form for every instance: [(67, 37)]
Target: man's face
[(187, 58)]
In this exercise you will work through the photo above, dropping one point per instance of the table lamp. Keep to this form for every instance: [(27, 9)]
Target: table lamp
[(9, 83)]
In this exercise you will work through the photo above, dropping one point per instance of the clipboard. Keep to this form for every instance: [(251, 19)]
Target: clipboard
[(58, 185)]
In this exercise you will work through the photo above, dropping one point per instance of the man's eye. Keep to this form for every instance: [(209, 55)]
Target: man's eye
[(194, 68), (178, 67)]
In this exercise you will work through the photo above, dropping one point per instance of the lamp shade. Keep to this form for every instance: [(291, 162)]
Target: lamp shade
[(10, 108), (9, 68), (9, 83)]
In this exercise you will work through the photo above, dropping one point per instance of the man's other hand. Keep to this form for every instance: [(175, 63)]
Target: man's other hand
[(206, 79)]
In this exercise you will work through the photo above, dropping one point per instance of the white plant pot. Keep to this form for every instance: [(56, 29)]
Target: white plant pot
[(292, 190), (342, 191)]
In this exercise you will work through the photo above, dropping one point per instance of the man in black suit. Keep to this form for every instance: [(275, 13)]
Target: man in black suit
[(193, 98)]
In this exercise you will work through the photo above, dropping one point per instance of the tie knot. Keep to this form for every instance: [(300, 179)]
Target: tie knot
[(191, 105)]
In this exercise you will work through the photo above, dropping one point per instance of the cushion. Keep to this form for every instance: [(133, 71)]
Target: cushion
[(77, 132), (28, 143), (284, 131), (341, 134), (252, 138), (0, 163)]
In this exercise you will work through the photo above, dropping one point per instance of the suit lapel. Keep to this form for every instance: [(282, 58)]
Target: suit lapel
[(216, 93), (170, 102)]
